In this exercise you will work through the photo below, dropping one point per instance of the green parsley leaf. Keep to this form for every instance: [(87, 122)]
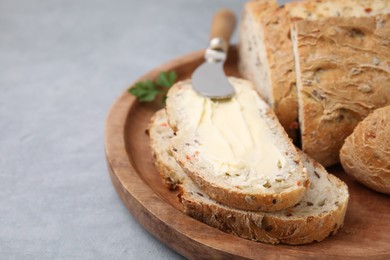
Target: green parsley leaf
[(150, 96), (147, 91), (166, 79), (172, 77)]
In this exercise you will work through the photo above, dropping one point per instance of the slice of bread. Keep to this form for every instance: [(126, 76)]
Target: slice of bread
[(235, 149), (320, 213), (266, 59)]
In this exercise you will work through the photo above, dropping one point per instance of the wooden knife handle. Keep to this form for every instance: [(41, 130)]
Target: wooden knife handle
[(222, 27)]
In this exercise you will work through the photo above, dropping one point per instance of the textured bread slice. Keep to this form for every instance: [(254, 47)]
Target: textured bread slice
[(342, 68), (235, 149), (320, 213), (266, 59), (365, 154)]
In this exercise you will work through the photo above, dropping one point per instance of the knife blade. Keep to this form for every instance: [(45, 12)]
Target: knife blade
[(209, 79)]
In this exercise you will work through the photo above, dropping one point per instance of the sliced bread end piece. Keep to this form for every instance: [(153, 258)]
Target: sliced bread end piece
[(235, 150)]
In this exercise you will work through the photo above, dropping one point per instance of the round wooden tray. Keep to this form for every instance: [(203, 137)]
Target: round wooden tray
[(366, 232)]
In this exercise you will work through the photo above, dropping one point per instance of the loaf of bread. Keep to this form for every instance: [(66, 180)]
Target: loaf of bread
[(341, 69), (235, 149), (365, 154), (319, 214)]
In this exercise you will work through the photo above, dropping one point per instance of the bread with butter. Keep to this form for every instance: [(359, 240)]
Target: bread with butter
[(235, 149), (320, 212)]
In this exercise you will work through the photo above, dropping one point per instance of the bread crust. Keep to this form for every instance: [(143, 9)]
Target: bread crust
[(240, 200), (158, 129), (365, 154), (273, 228), (265, 227), (344, 75), (259, 201)]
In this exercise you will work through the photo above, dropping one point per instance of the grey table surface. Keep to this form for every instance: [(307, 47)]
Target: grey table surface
[(62, 65)]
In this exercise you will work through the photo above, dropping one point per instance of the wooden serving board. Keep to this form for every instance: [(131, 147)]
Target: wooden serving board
[(366, 232)]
